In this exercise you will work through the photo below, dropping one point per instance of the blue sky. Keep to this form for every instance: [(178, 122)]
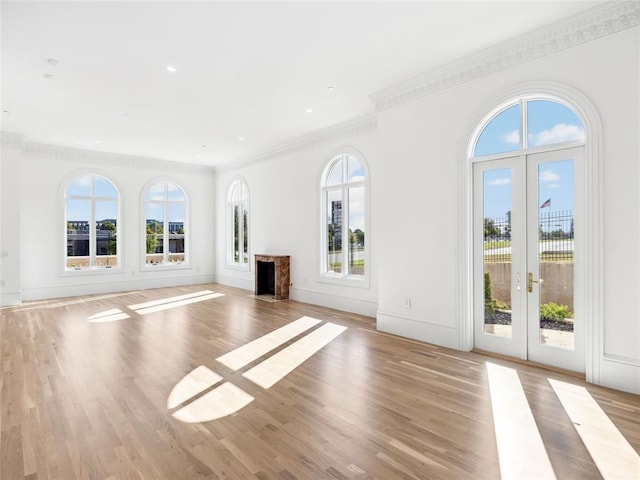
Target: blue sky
[(548, 123)]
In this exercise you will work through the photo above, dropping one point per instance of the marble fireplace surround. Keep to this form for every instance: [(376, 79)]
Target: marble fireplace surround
[(272, 275)]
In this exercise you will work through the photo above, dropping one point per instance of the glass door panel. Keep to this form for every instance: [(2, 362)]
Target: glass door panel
[(496, 218), (497, 256), (554, 328)]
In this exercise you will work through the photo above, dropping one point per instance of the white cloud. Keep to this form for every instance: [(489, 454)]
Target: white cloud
[(499, 182), (548, 176), (512, 137), (558, 134)]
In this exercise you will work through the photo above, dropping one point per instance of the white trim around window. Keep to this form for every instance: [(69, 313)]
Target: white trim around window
[(237, 232)]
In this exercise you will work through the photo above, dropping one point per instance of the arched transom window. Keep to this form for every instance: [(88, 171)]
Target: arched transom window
[(344, 212), (528, 123), (165, 224), (91, 221), (238, 224)]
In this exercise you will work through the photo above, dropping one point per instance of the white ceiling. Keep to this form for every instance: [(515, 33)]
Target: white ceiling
[(244, 69)]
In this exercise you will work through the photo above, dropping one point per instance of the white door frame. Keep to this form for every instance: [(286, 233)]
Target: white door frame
[(593, 231)]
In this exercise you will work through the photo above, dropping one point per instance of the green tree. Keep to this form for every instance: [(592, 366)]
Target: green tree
[(490, 229)]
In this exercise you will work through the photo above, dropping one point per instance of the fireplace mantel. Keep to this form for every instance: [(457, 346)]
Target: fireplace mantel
[(272, 275)]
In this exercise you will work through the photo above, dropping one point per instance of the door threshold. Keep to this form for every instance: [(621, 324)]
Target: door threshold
[(529, 363)]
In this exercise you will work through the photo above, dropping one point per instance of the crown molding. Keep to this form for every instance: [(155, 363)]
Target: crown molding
[(601, 21), (364, 124), (57, 152)]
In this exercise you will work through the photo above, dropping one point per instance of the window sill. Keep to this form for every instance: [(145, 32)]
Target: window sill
[(156, 267), (237, 266), (90, 271), (351, 281)]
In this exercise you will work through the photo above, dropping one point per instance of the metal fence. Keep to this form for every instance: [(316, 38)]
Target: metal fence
[(555, 237)]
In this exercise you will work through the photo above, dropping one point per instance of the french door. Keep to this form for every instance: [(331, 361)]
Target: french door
[(528, 295)]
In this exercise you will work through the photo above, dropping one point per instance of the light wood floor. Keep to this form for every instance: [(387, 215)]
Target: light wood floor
[(88, 399)]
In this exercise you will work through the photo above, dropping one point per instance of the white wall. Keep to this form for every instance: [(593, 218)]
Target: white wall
[(284, 216), (429, 136), (42, 172), (10, 285)]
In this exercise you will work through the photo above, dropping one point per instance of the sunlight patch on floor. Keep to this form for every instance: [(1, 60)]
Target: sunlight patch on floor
[(611, 452), (197, 381), (113, 315), (173, 302), (273, 369), (219, 402), (251, 351), (521, 451)]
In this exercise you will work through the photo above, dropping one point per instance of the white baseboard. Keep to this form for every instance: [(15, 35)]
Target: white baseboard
[(243, 283), (429, 332), (331, 300), (9, 299), (44, 293)]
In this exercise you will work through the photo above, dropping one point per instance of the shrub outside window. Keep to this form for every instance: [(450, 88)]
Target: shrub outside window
[(165, 224), (91, 221)]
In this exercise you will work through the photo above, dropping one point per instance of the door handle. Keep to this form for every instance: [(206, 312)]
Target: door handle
[(531, 281)]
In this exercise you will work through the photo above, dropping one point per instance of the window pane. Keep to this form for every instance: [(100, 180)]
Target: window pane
[(496, 218), (334, 231), (104, 188), (245, 235), (236, 233), (78, 232), (157, 192), (175, 193), (355, 171), (106, 233), (550, 123), (176, 232), (356, 231), (335, 174), (502, 133), (154, 218), (80, 186)]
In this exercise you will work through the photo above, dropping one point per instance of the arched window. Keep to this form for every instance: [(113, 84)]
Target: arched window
[(91, 222), (526, 124), (238, 224), (344, 210), (165, 212)]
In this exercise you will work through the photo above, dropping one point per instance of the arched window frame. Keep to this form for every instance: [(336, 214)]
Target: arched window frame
[(165, 259), (93, 263), (344, 277), (593, 252), (523, 143), (238, 199)]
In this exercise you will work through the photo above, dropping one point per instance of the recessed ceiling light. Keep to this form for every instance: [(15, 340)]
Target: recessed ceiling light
[(309, 110), (197, 156), (241, 139), (6, 111), (48, 76), (172, 69), (204, 146), (331, 89), (125, 114), (98, 141), (52, 61)]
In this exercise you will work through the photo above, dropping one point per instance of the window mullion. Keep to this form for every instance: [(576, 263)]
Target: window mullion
[(345, 230)]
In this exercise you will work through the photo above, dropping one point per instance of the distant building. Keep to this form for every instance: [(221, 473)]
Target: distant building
[(336, 225)]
